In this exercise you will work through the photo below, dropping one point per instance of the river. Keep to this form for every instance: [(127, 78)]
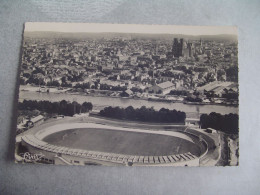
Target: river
[(101, 102)]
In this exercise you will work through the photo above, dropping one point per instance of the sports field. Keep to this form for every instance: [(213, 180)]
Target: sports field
[(122, 142)]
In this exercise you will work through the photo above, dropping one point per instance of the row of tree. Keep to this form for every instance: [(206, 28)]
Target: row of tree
[(179, 92), (225, 123), (63, 107), (193, 99), (102, 86), (144, 114)]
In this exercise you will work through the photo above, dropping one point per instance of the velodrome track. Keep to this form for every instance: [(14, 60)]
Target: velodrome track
[(35, 138), (63, 127), (213, 154)]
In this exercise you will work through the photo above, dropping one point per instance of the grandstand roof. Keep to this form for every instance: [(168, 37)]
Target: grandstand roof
[(37, 118)]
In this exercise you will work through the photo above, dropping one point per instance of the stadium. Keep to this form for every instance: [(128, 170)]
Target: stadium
[(85, 142)]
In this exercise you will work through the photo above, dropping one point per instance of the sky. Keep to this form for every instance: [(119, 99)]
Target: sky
[(129, 28)]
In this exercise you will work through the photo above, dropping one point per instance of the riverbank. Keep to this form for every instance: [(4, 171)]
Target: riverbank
[(116, 94), (99, 102)]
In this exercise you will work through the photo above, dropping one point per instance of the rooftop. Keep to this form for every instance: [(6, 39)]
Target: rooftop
[(165, 85), (37, 118)]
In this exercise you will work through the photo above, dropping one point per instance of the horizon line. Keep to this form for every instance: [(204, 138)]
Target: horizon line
[(128, 28)]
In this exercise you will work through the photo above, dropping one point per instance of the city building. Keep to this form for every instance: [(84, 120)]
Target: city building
[(177, 48), (163, 88)]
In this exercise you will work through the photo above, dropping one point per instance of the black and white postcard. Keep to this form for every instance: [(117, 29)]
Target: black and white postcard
[(128, 95)]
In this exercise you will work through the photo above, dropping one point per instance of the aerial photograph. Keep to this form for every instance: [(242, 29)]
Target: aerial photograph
[(128, 95)]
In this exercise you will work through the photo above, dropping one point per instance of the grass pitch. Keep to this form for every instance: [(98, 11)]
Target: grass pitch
[(122, 142)]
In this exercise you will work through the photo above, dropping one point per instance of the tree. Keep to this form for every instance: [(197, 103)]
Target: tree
[(87, 106), (62, 107), (225, 123), (144, 114)]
